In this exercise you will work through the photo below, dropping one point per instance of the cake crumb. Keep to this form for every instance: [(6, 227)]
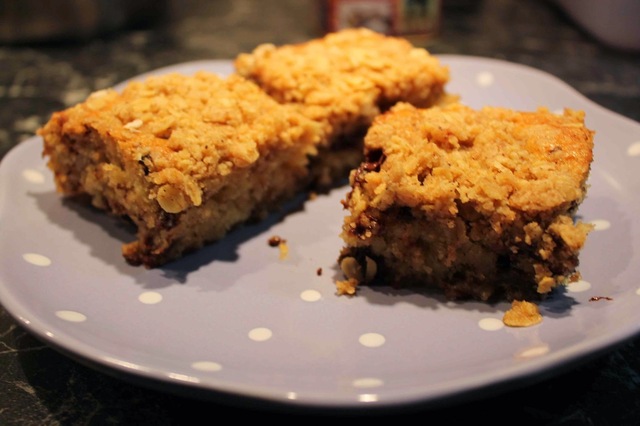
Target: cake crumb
[(284, 249), (319, 271), (275, 241), (281, 243), (346, 287), (598, 298), (522, 314)]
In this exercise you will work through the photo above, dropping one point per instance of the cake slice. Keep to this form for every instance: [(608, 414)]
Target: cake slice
[(184, 158), (476, 204), (343, 80)]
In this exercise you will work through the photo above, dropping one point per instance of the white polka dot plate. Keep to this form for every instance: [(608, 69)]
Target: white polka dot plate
[(236, 319)]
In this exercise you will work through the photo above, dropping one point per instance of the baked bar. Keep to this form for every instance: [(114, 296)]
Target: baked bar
[(343, 80), (477, 204), (185, 158)]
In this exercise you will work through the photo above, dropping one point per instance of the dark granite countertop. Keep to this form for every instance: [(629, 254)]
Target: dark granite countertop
[(41, 386)]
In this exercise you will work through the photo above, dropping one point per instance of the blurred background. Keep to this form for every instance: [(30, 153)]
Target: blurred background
[(59, 51), (56, 52), (53, 54)]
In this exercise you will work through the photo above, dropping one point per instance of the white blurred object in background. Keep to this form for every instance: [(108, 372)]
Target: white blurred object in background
[(614, 22)]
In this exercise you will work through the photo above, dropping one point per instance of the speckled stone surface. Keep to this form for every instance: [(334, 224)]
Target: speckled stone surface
[(41, 386)]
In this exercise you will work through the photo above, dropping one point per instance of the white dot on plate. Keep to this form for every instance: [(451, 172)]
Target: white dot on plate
[(634, 149), (209, 366), (71, 316), (310, 295), (371, 340), (260, 334), (638, 292), (490, 324), (534, 351), (33, 176), (484, 79), (368, 397), (367, 382), (150, 297), (579, 286), (601, 224), (36, 259)]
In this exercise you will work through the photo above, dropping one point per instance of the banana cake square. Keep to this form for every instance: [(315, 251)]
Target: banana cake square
[(184, 158), (343, 80), (471, 203)]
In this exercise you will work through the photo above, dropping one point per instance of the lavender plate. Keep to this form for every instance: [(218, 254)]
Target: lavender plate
[(235, 319)]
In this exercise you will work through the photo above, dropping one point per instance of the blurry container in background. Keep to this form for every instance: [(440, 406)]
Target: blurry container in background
[(615, 23), (26, 21), (416, 20)]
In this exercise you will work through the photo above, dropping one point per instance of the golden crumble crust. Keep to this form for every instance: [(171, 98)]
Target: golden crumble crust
[(346, 75), (503, 161), (471, 200), (189, 132), (344, 80), (167, 145)]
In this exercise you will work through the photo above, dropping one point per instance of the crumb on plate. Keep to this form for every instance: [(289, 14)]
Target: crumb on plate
[(522, 314)]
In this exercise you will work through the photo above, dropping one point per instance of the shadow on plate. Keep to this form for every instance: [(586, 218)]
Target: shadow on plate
[(104, 235)]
